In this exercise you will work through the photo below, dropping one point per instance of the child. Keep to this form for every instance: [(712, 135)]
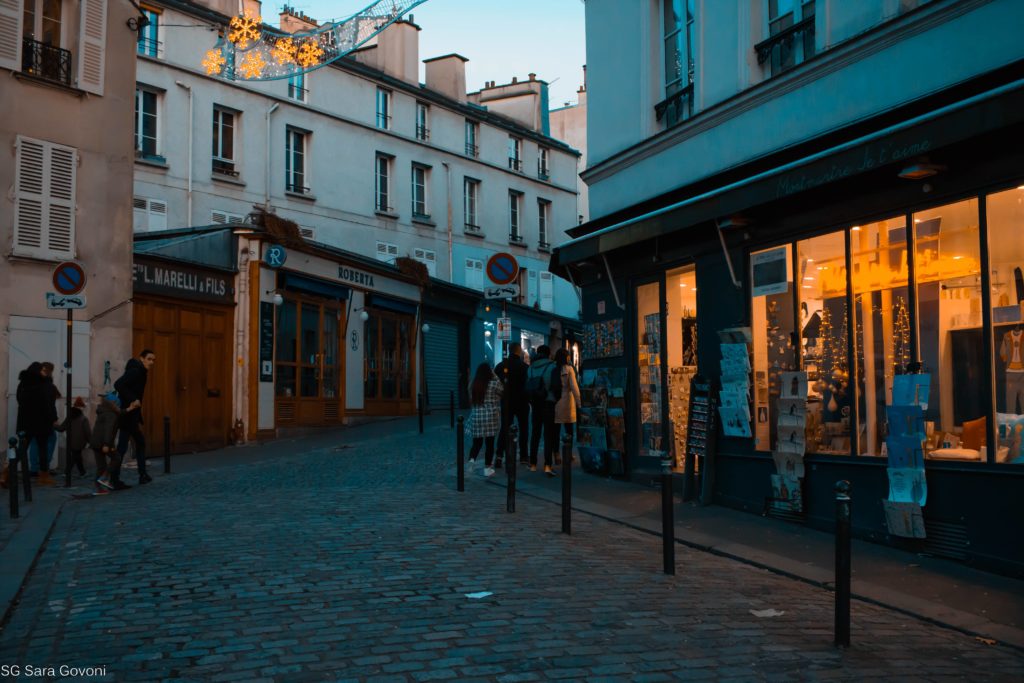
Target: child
[(104, 440), (79, 433)]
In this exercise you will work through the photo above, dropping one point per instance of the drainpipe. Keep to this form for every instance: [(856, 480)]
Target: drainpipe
[(190, 126), (448, 180), (266, 197)]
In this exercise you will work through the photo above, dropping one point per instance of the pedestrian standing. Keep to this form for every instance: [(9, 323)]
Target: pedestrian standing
[(568, 391), (512, 372), (485, 418), (45, 455), (37, 414), (542, 407), (104, 445), (131, 387), (79, 432)]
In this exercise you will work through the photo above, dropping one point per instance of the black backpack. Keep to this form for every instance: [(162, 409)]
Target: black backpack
[(556, 383), (535, 389)]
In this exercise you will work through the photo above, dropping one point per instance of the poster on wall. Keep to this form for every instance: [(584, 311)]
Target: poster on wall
[(769, 272), (904, 519)]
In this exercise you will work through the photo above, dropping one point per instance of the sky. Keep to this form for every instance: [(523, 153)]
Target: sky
[(501, 38)]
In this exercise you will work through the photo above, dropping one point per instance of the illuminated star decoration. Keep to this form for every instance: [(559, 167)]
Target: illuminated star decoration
[(252, 65), (309, 54), (214, 62), (245, 29), (284, 51)]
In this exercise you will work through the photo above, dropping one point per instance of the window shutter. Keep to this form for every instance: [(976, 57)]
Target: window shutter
[(219, 217), (157, 215), (61, 233), (547, 294), (10, 34), (31, 203), (92, 41), (307, 233), (44, 215), (140, 214)]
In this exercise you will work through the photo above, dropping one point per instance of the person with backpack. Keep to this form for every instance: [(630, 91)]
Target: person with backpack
[(567, 393), (512, 372), (79, 432), (484, 420), (539, 378)]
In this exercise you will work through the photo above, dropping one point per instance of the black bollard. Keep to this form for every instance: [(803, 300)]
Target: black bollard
[(460, 448), (12, 474), (26, 476), (668, 531), (67, 466), (843, 563), (566, 484), (451, 408), (419, 408), (511, 458), (167, 444)]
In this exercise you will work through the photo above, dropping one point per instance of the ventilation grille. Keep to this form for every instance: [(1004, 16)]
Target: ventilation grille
[(286, 412), (331, 411), (946, 539), (785, 515)]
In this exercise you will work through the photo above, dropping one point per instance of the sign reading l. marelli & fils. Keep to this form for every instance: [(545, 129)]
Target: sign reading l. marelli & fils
[(182, 281)]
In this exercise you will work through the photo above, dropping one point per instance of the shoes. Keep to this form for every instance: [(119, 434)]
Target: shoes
[(488, 471), (533, 468), (100, 491), (144, 479), (44, 479), (104, 482), (470, 465), (548, 471), (120, 485)]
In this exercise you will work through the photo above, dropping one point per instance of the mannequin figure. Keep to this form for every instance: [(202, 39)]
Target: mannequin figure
[(1011, 352)]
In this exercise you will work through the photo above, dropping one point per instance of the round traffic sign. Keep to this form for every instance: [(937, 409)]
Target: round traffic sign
[(502, 268), (69, 278)]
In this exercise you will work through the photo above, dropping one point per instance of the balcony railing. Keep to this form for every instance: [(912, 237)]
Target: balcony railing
[(676, 107), (44, 61), (472, 228), (225, 167), (297, 188), (472, 150), (783, 43), (383, 121), (515, 164), (422, 133), (515, 238), (150, 47), (543, 246), (297, 93)]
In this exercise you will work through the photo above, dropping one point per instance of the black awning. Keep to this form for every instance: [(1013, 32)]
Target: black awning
[(308, 285), (388, 304)]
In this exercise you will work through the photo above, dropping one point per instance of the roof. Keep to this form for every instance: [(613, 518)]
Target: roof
[(212, 246)]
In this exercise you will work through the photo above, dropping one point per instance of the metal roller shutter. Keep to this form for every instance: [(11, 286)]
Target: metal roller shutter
[(441, 359)]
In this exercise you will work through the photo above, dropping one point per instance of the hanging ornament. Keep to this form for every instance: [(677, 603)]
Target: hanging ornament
[(832, 405), (214, 62), (245, 29), (284, 51)]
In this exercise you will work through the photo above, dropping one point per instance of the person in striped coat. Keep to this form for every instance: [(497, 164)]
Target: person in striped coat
[(485, 420)]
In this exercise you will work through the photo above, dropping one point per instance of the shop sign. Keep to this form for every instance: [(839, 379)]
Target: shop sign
[(266, 341), (275, 256), (502, 291), (504, 329), (356, 277), (769, 272), (872, 156), (182, 281)]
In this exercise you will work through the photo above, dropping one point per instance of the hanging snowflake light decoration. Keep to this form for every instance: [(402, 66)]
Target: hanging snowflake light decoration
[(252, 65), (245, 29), (309, 54), (214, 62), (284, 51)]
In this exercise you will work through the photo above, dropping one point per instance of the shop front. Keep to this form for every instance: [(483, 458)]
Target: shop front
[(829, 310)]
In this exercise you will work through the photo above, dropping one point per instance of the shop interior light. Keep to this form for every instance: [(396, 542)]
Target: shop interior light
[(855, 228), (808, 287), (920, 171), (808, 277)]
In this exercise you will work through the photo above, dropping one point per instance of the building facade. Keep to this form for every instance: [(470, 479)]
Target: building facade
[(569, 123), (68, 78), (836, 207)]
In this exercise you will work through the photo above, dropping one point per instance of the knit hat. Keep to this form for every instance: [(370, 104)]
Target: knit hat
[(79, 402)]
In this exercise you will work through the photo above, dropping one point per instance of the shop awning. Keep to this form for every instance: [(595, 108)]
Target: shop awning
[(309, 285), (388, 304), (897, 144)]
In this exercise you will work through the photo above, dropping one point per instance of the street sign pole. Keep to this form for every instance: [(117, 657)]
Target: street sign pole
[(68, 279), (67, 402)]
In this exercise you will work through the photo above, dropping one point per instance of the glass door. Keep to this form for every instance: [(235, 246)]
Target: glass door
[(388, 369), (309, 335)]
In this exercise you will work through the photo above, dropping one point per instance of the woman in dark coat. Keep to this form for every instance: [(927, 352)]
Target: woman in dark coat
[(37, 411)]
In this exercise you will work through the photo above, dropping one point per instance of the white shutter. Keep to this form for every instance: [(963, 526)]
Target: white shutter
[(140, 214), (219, 217), (44, 214), (92, 45), (307, 233), (61, 233), (157, 215), (474, 273), (30, 207), (10, 34), (427, 258), (547, 293)]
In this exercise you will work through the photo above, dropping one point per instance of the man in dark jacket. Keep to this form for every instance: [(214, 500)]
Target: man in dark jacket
[(37, 414), (512, 372), (131, 387), (542, 408)]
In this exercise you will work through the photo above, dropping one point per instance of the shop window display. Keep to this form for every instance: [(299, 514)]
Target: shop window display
[(681, 352), (649, 361)]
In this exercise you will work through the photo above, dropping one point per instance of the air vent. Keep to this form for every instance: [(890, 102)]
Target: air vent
[(286, 412), (331, 411), (946, 539)]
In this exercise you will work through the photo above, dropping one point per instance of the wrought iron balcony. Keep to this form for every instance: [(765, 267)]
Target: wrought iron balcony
[(422, 133), (296, 188), (516, 238), (783, 42), (543, 246), (515, 164), (225, 167), (150, 47), (472, 150), (676, 107), (48, 62)]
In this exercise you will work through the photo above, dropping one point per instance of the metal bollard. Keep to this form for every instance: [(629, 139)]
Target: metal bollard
[(12, 474), (668, 530), (567, 484), (67, 466), (460, 448), (843, 553), (26, 475), (419, 408), (451, 408), (167, 444), (511, 457)]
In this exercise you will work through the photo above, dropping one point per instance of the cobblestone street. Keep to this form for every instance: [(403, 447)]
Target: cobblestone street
[(355, 562)]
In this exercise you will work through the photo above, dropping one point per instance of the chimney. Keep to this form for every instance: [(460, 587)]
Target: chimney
[(533, 77), (514, 80), (447, 75), (292, 20), (398, 51)]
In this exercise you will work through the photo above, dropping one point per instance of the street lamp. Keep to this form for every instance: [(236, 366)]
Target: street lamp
[(425, 328)]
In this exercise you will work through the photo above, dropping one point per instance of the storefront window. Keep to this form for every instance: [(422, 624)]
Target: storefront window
[(773, 328), (681, 340), (649, 361), (287, 349), (1006, 257), (388, 356), (881, 309), (948, 272)]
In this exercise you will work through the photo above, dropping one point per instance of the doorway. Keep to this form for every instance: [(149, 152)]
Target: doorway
[(388, 367), (308, 365)]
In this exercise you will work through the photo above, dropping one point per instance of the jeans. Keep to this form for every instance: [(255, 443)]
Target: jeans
[(521, 413), (475, 449), (542, 421), (131, 431), (41, 443), (1014, 391)]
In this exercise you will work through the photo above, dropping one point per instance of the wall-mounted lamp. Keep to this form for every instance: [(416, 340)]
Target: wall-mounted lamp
[(487, 334), (920, 171), (277, 298), (425, 328), (363, 315)]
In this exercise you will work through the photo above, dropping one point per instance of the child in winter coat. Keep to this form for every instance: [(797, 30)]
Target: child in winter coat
[(79, 433), (104, 442)]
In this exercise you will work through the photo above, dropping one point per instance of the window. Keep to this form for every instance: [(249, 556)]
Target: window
[(383, 108), (471, 198), (679, 68), (297, 89), (427, 258), (146, 124), (226, 218), (382, 201), (543, 171), (543, 213), (148, 214), (389, 344), (295, 168), (420, 179), (422, 121), (224, 122), (515, 202), (680, 355), (515, 153), (472, 133), (149, 35), (387, 252), (474, 273), (44, 200), (42, 40), (790, 35), (547, 291), (308, 234), (649, 360)]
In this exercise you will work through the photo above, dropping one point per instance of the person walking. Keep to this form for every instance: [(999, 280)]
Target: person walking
[(78, 430), (512, 373), (568, 394), (104, 445), (484, 420), (37, 416), (542, 407), (131, 387)]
